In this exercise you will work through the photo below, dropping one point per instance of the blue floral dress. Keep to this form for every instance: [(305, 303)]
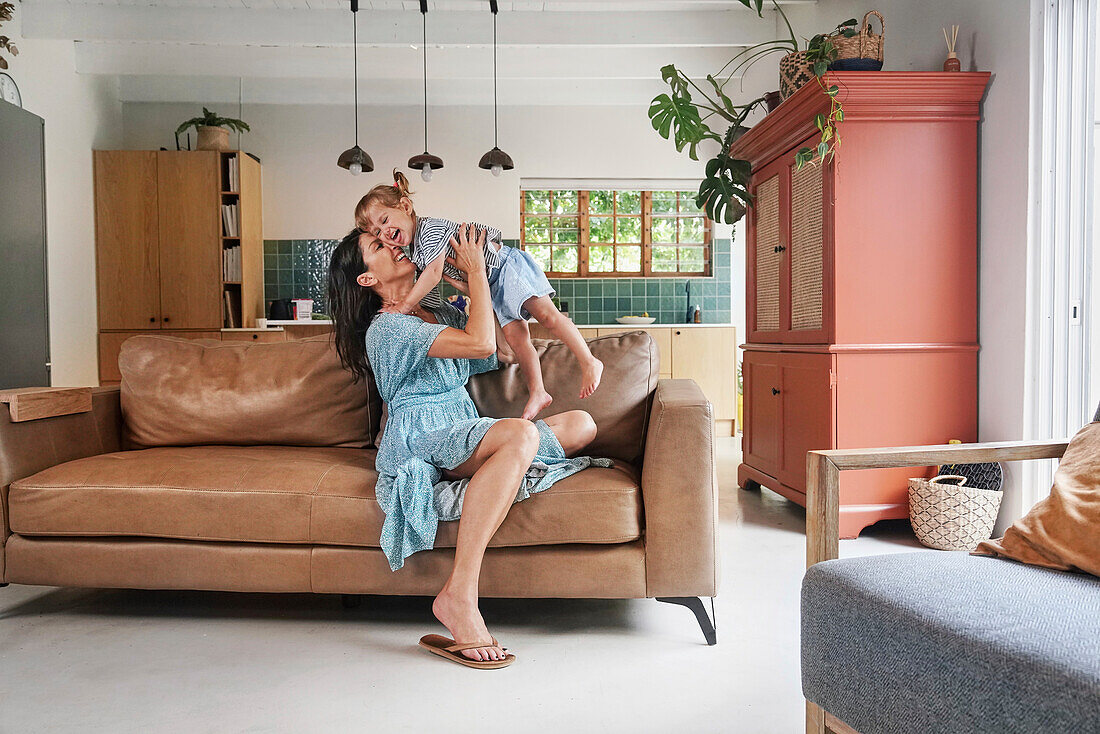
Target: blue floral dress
[(433, 425)]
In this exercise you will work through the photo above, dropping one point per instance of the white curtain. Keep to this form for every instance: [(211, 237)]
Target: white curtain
[(1060, 308)]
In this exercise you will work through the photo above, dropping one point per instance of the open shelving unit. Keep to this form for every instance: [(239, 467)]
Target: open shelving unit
[(241, 238)]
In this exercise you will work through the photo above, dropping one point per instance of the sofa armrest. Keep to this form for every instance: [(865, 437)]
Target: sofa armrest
[(823, 477), (680, 493), (33, 403), (29, 446)]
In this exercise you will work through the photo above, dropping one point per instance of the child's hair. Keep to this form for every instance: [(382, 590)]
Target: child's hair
[(383, 194)]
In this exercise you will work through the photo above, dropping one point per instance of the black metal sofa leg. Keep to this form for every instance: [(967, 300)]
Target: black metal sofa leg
[(708, 624)]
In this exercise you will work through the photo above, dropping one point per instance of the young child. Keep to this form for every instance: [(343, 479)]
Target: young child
[(518, 286)]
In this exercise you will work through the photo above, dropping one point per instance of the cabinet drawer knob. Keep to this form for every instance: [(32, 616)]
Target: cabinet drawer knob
[(152, 319), (255, 336), (166, 319), (775, 391)]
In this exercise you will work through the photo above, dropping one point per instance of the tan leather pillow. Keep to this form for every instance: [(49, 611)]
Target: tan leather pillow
[(1063, 530), (183, 392), (620, 406)]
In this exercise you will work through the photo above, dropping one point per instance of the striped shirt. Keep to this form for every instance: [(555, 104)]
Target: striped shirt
[(431, 240)]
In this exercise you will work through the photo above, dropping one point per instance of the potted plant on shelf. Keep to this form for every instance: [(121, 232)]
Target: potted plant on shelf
[(212, 131), (723, 192)]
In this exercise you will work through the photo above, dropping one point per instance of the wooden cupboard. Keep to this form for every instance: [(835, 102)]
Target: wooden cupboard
[(861, 297), (703, 354), (162, 244)]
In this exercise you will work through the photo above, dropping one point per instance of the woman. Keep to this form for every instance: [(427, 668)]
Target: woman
[(438, 459)]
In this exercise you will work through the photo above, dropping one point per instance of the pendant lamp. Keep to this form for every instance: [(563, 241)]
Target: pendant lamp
[(355, 159), (496, 160), (425, 162)]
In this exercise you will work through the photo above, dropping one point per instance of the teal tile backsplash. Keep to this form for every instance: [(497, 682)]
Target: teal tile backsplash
[(298, 268)]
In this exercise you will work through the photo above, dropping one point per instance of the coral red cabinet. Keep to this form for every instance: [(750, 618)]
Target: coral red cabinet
[(861, 282)]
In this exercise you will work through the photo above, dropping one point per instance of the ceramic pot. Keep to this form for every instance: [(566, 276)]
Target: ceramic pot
[(212, 138)]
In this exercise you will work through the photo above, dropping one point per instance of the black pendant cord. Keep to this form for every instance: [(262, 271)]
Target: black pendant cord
[(496, 142), (424, 47), (355, 62)]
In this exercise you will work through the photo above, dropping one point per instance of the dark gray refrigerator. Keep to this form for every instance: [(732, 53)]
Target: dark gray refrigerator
[(24, 324)]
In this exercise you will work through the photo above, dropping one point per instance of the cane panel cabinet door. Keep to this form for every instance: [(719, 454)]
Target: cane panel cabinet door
[(765, 244)]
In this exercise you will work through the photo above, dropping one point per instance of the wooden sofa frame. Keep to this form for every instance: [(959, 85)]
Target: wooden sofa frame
[(823, 503)]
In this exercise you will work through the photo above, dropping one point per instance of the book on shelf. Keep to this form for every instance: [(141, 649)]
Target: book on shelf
[(230, 320), (231, 220), (231, 263)]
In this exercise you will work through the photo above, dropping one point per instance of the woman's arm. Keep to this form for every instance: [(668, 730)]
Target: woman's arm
[(478, 339), (429, 278)]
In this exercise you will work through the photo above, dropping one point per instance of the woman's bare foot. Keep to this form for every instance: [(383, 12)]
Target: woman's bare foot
[(463, 620), (537, 403), (591, 373)]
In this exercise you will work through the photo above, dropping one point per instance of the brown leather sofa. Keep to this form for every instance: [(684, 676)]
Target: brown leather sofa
[(250, 467)]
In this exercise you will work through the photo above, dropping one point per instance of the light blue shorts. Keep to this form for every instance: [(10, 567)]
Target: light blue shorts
[(518, 278)]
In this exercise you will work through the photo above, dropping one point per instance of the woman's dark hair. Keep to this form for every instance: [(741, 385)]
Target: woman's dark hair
[(352, 306)]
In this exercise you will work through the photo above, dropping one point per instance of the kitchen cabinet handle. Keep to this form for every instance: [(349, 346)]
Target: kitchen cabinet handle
[(775, 391), (255, 336), (152, 319), (166, 319), (780, 248)]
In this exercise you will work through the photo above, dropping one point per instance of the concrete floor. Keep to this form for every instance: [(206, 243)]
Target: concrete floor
[(76, 660)]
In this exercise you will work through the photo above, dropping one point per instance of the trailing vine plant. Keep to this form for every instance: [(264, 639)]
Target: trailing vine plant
[(723, 193)]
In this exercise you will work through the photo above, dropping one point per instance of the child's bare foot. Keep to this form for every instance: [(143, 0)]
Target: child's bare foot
[(538, 402), (590, 377)]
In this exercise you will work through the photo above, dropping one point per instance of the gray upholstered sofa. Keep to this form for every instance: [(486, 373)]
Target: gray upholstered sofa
[(942, 642)]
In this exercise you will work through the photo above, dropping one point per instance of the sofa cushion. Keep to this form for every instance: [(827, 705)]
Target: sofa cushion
[(286, 494), (620, 406), (1062, 531), (182, 392), (948, 642)]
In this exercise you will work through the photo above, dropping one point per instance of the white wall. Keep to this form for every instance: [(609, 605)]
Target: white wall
[(81, 113), (994, 35)]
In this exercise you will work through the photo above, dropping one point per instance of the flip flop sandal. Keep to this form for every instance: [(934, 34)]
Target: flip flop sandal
[(447, 648)]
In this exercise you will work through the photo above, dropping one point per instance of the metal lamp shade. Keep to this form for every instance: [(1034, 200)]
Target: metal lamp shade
[(496, 157), (355, 154), (425, 160)]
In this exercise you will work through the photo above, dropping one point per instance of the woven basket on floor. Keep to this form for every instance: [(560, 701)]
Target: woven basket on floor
[(952, 516)]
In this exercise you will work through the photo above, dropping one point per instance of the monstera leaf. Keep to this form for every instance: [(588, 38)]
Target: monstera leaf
[(678, 117), (723, 194)]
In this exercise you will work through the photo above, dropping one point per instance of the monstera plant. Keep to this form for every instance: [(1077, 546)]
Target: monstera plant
[(686, 112)]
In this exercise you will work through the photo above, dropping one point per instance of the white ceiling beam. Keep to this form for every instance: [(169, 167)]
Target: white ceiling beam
[(533, 63), (228, 26)]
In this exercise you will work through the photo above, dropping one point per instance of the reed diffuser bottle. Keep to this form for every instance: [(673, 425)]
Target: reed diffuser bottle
[(951, 63)]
